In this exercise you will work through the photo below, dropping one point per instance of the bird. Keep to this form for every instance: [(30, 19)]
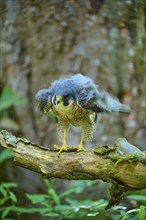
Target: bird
[(77, 101)]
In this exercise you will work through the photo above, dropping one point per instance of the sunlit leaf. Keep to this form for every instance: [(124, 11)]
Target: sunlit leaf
[(5, 155), (93, 214), (142, 212)]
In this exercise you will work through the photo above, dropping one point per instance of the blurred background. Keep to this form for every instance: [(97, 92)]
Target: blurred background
[(44, 40)]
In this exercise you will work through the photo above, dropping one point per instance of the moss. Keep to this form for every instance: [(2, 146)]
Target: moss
[(104, 149), (121, 151), (128, 157)]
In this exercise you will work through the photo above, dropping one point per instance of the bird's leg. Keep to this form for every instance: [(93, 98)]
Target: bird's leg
[(64, 147), (80, 146)]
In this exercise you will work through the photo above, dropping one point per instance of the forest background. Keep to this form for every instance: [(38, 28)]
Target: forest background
[(44, 40)]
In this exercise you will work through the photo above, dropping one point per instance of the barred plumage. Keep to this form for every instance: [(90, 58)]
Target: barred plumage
[(76, 116)]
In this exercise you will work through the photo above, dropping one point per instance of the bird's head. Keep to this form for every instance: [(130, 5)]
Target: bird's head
[(43, 97), (65, 97)]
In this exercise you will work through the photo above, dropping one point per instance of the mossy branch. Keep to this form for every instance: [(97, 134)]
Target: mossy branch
[(122, 164)]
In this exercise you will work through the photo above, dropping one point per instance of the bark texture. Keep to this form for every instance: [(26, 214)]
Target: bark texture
[(127, 171), (46, 40), (106, 163)]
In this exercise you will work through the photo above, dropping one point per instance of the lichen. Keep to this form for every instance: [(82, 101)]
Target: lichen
[(9, 138), (128, 158), (122, 151)]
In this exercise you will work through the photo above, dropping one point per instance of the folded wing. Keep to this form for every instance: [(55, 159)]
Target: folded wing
[(89, 97)]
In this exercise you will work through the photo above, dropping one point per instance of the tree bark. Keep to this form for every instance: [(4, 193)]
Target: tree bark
[(122, 164), (127, 169)]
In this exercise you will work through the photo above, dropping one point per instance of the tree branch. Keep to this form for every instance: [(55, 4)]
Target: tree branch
[(123, 164)]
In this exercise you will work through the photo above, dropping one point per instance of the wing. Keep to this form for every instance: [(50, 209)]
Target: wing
[(89, 97), (109, 103)]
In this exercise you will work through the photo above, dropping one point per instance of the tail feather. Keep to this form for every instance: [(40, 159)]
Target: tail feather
[(124, 108)]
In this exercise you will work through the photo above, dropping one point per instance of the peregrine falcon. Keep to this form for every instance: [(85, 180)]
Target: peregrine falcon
[(76, 101)]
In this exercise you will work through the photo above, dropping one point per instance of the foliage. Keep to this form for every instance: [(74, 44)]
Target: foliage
[(140, 214), (9, 98), (59, 205), (5, 155), (62, 206), (55, 205), (7, 195)]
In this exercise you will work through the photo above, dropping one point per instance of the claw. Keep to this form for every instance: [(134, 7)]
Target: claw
[(63, 148), (57, 147), (79, 147)]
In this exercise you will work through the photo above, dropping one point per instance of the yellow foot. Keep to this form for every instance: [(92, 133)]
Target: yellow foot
[(79, 147), (63, 148)]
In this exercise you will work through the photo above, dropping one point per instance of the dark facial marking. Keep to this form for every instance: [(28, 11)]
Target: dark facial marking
[(66, 100)]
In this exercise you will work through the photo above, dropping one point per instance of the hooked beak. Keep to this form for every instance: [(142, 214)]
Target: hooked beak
[(58, 100)]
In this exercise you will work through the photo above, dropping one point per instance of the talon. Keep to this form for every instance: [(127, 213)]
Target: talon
[(56, 147), (79, 148), (63, 148)]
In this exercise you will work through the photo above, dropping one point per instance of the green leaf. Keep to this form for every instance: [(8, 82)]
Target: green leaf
[(6, 212), (3, 191), (72, 202), (3, 200), (54, 196), (52, 215), (67, 192), (5, 155), (136, 197), (142, 212), (62, 208), (25, 210), (129, 212), (9, 185), (13, 197), (19, 210), (9, 98), (22, 210), (37, 198), (45, 210)]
